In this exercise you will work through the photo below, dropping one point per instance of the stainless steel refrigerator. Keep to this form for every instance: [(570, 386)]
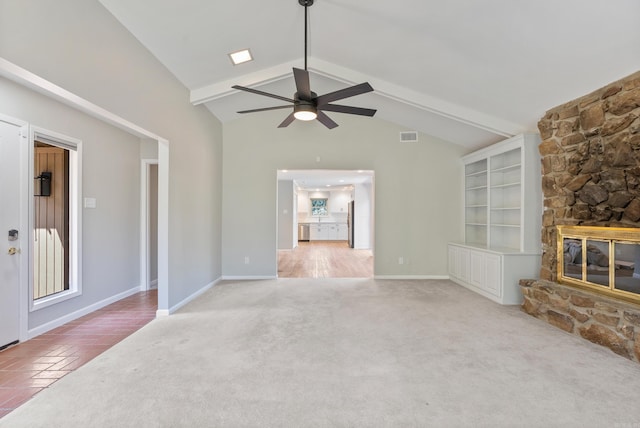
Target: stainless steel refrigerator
[(350, 218)]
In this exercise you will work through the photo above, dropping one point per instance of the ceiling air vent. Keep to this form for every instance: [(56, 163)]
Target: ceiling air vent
[(408, 136)]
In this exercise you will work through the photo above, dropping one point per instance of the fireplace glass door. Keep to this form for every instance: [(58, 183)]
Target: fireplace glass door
[(607, 259), (627, 266)]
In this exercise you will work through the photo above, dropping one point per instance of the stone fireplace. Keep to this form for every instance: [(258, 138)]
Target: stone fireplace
[(590, 178)]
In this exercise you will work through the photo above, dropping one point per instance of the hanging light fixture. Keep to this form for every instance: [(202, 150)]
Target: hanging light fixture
[(307, 105)]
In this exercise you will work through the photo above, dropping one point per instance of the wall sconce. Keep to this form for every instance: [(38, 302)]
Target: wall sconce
[(44, 184)]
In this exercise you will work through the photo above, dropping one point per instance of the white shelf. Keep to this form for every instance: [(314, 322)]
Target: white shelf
[(507, 168), (501, 186)]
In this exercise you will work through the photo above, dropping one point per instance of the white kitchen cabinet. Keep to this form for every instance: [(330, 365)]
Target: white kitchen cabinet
[(502, 219), (342, 231), (333, 232), (318, 232), (328, 232), (339, 201)]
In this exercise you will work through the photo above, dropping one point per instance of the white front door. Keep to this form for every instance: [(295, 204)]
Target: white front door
[(11, 236)]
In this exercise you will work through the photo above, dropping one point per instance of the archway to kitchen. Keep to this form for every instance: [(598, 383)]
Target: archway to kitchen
[(325, 223)]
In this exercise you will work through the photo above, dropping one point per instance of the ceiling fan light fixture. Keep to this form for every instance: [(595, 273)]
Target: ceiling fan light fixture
[(305, 112)]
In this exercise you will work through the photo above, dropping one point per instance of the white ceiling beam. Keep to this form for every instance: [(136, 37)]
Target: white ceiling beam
[(261, 77), (383, 88), (30, 80)]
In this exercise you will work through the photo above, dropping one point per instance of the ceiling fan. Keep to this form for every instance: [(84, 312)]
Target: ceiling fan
[(307, 105)]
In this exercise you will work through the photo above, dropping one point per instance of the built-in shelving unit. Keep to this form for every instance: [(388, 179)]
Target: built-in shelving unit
[(502, 219), (476, 202)]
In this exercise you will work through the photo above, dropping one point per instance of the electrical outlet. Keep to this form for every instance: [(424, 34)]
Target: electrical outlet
[(400, 260), (246, 260)]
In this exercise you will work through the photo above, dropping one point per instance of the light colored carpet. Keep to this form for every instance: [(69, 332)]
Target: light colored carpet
[(344, 353)]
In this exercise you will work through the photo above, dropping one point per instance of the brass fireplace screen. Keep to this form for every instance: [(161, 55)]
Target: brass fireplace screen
[(612, 262)]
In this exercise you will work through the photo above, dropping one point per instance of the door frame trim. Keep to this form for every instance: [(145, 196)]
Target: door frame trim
[(145, 212)]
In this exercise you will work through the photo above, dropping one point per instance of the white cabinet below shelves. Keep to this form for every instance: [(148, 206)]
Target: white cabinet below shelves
[(492, 274)]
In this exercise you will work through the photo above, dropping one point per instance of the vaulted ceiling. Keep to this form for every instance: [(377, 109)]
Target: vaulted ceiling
[(467, 71)]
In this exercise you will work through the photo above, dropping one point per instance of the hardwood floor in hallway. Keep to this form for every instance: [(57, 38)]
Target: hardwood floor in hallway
[(325, 259)]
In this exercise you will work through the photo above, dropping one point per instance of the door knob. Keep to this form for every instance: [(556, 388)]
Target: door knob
[(13, 251)]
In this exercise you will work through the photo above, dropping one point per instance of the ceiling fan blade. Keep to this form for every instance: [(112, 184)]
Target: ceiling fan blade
[(287, 121), (302, 83), (266, 94), (263, 109), (348, 109), (326, 120), (344, 93)]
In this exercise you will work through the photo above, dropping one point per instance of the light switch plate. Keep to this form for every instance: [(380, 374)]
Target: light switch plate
[(89, 202)]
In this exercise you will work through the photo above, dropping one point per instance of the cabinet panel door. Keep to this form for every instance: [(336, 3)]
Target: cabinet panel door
[(463, 264), (476, 269), (493, 278), (453, 260)]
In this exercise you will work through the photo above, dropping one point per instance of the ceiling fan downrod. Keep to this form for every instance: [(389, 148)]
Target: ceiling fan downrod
[(306, 4)]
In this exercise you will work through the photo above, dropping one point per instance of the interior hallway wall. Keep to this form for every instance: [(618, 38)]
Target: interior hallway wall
[(80, 46), (111, 231)]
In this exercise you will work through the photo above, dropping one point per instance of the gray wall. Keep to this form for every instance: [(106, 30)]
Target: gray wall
[(286, 214), (415, 213), (79, 46)]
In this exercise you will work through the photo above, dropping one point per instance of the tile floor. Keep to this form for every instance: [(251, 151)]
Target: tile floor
[(29, 367)]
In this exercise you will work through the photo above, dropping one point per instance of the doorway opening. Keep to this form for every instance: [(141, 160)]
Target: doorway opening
[(325, 223)]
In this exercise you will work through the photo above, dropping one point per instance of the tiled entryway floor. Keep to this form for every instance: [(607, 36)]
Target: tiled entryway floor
[(29, 367)]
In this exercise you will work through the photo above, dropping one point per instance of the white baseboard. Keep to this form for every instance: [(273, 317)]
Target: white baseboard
[(37, 331), (411, 277), (166, 312), (153, 284), (246, 278)]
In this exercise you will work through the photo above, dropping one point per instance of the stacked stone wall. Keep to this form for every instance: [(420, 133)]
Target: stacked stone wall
[(590, 177), (591, 163), (602, 320)]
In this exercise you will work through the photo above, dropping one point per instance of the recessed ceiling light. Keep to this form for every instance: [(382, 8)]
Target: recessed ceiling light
[(341, 181), (240, 56)]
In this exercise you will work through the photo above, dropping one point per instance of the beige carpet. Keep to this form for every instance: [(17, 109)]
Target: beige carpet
[(344, 353)]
